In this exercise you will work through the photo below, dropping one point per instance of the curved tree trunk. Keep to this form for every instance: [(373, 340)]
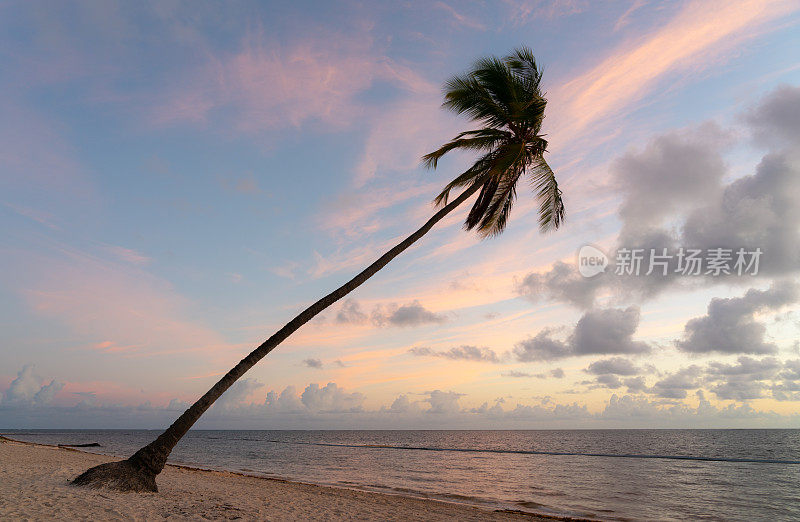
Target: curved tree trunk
[(139, 471)]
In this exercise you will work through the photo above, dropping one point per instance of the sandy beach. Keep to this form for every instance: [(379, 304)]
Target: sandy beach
[(35, 486)]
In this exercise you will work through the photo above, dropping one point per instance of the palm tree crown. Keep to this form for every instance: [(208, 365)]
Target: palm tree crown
[(503, 95)]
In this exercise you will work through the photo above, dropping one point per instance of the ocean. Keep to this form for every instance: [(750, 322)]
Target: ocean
[(595, 474)]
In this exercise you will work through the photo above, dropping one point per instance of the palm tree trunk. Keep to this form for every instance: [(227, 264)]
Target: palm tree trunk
[(139, 471)]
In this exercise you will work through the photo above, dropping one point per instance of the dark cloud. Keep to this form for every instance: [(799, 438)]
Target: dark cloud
[(743, 380), (788, 389), (605, 331), (608, 331), (730, 326), (312, 363), (635, 384), (676, 385), (776, 120), (609, 381), (614, 365), (562, 283), (413, 314), (542, 347), (674, 172), (463, 353), (676, 193)]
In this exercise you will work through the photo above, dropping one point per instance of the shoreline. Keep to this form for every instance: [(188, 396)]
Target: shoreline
[(35, 474)]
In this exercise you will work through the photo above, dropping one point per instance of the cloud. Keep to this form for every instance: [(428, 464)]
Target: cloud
[(413, 314), (443, 403), (743, 381), (675, 172), (603, 331), (789, 388), (27, 388), (776, 119), (312, 363), (608, 331), (730, 326), (267, 84), (557, 373), (350, 313), (407, 315), (435, 409), (699, 34), (562, 283), (614, 365), (238, 393), (402, 404), (286, 401), (116, 305), (331, 399), (677, 193), (675, 386), (462, 353)]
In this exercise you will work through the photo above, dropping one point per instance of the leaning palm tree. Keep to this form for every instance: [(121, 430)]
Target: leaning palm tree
[(504, 97)]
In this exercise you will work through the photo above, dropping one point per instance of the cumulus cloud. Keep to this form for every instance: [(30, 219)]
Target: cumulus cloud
[(562, 283), (676, 385), (28, 389), (743, 381), (286, 401), (608, 331), (603, 331), (435, 409), (776, 119), (462, 353), (238, 394), (443, 403), (674, 172), (331, 399), (407, 315), (542, 347), (678, 192), (730, 325)]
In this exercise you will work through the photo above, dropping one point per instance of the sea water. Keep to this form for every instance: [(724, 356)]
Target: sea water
[(597, 474)]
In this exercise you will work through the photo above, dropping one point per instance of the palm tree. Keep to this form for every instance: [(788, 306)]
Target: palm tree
[(504, 97)]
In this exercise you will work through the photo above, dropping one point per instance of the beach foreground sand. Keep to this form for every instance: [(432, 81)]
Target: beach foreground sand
[(34, 485)]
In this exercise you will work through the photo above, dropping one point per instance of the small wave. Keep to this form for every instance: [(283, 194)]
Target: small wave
[(556, 453)]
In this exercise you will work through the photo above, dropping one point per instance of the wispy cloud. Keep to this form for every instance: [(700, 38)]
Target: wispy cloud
[(268, 85), (698, 35)]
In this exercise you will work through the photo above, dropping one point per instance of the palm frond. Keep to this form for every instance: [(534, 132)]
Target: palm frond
[(482, 139), (551, 205), (465, 95)]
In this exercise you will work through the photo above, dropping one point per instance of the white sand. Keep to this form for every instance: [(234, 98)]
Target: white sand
[(34, 485)]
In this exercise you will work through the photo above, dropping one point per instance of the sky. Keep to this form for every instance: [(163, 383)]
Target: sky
[(179, 179)]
